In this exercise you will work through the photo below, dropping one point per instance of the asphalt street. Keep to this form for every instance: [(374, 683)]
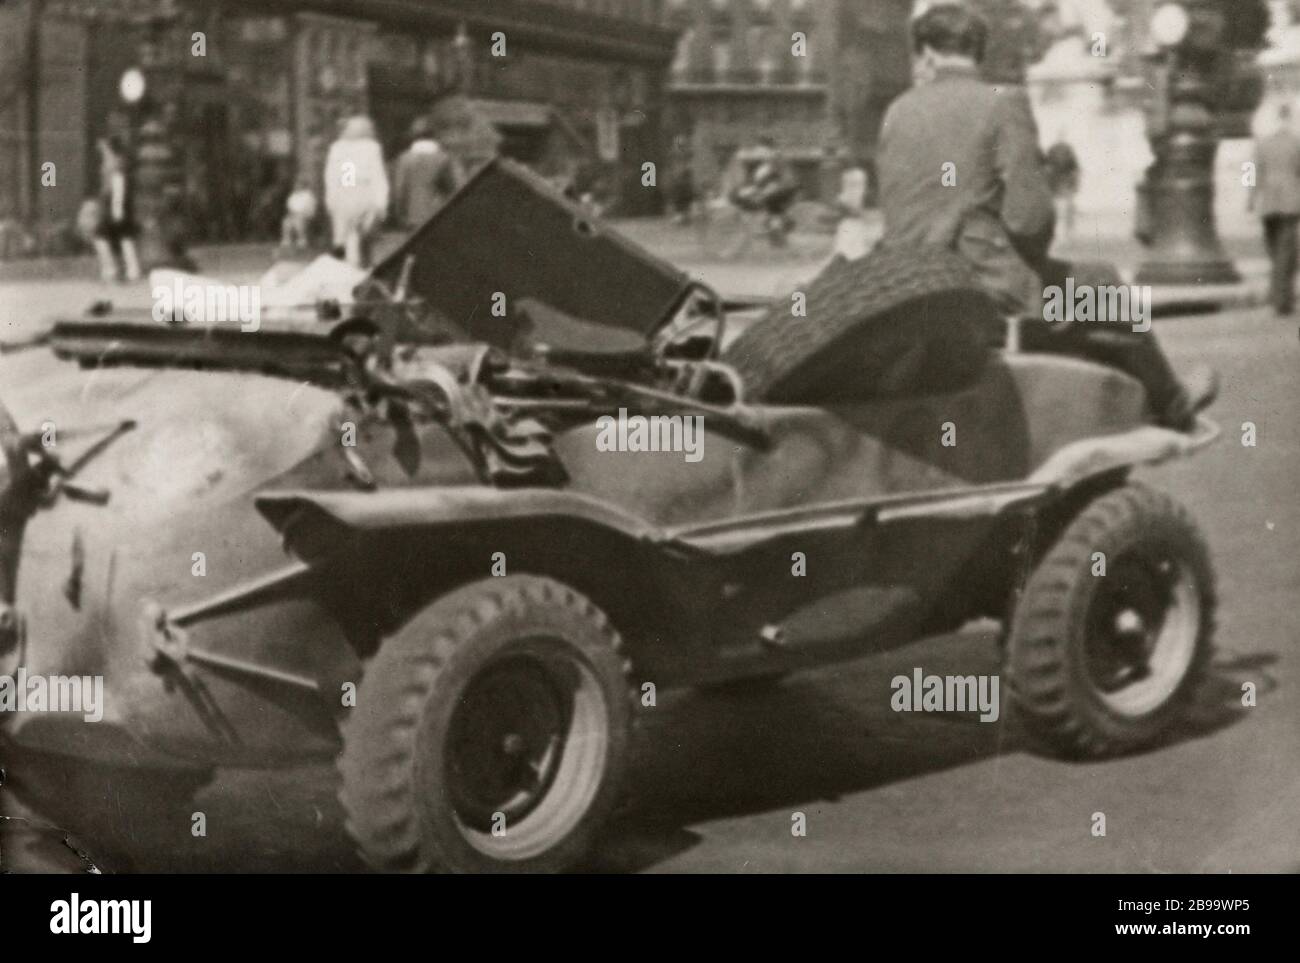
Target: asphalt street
[(716, 780)]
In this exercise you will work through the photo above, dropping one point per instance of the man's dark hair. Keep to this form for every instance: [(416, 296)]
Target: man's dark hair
[(950, 28)]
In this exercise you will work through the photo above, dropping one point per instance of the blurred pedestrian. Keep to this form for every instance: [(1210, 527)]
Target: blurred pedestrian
[(425, 177), (115, 236), (89, 216), (762, 189), (776, 188), (851, 204), (1276, 199), (741, 191), (681, 180), (356, 189), (1063, 181), (300, 212)]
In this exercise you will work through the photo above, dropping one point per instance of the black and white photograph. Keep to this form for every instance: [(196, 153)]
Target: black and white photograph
[(607, 437)]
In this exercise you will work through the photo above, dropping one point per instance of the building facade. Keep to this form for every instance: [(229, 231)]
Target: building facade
[(814, 75), (251, 91)]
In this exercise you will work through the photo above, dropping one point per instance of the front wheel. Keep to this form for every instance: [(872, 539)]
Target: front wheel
[(1113, 632), (489, 734)]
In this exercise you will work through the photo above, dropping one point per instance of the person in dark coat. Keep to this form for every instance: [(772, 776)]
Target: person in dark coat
[(1063, 179), (117, 230), (1277, 201), (960, 168), (681, 180), (426, 175)]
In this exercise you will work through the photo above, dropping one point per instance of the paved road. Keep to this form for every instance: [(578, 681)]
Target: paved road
[(716, 780)]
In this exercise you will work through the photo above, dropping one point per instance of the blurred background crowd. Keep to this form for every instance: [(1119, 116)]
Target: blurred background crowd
[(214, 121)]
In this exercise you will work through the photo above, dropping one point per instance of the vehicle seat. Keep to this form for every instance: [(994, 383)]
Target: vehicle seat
[(1022, 409), (596, 349)]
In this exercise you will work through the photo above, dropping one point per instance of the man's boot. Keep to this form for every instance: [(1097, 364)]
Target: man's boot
[(1196, 393)]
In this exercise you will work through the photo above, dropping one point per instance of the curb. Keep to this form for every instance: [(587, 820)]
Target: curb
[(1193, 299)]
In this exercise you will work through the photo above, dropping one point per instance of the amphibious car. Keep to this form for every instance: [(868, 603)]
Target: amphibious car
[(439, 563)]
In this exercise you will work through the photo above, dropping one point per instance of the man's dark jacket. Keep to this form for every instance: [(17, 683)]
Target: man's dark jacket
[(1278, 162), (960, 167)]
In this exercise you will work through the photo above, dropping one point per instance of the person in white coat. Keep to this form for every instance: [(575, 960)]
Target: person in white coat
[(356, 189), (851, 240)]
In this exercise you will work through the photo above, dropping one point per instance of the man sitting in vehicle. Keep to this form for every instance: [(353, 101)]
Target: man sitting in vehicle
[(960, 168)]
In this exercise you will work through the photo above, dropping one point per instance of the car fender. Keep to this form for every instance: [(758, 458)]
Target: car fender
[(292, 513), (441, 535), (400, 548), (1148, 445)]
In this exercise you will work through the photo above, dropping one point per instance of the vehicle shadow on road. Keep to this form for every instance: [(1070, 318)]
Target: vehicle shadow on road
[(825, 734), (698, 757), (59, 814)]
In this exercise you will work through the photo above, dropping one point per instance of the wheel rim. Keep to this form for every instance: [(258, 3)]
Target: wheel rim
[(526, 750), (1142, 630)]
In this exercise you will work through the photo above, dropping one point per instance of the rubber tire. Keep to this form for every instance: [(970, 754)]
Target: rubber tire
[(404, 710), (1051, 694), (849, 328)]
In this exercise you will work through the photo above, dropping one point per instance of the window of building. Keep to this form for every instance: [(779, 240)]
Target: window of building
[(721, 59), (682, 61), (804, 64), (759, 49)]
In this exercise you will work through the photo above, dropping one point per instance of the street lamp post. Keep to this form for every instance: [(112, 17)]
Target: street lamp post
[(35, 51), (1183, 130), (464, 58), (158, 172)]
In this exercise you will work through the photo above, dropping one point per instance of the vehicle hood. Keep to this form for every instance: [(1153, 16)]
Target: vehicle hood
[(159, 441)]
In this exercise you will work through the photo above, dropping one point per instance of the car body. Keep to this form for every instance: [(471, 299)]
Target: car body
[(231, 529)]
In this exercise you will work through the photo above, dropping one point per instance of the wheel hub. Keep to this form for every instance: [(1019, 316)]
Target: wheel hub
[(506, 743), (1142, 629)]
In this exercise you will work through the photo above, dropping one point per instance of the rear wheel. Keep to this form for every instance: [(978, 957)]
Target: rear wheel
[(489, 733), (1101, 664)]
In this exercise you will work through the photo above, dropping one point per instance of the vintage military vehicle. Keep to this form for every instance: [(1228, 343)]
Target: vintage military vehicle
[(454, 565)]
